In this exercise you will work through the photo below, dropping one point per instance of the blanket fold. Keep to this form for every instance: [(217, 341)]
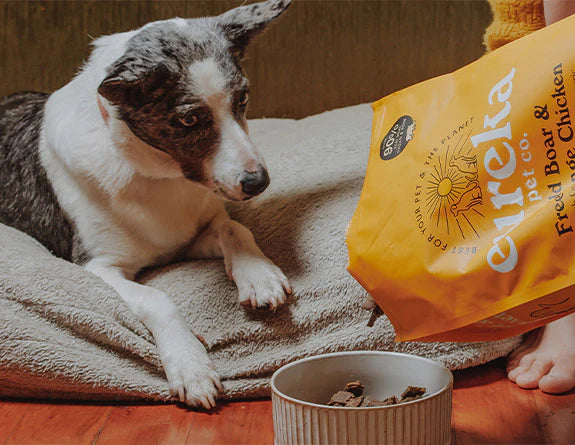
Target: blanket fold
[(64, 333)]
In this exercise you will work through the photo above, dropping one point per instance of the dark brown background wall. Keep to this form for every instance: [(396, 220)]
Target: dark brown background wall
[(322, 54)]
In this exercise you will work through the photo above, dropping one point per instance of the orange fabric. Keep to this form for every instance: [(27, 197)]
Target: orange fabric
[(513, 19)]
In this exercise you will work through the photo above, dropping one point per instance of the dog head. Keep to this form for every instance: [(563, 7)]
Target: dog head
[(180, 88)]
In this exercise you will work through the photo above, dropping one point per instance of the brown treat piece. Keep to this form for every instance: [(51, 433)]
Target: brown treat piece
[(412, 391), (370, 401), (354, 402), (356, 388), (390, 401), (409, 399), (340, 398), (375, 314)]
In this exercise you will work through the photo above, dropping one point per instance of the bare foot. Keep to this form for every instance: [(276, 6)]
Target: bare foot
[(546, 359)]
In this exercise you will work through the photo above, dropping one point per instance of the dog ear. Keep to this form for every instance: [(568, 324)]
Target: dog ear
[(244, 22), (132, 85)]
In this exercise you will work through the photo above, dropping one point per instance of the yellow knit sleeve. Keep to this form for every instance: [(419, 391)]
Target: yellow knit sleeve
[(513, 19)]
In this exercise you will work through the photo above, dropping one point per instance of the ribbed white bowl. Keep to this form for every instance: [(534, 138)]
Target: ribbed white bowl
[(301, 389)]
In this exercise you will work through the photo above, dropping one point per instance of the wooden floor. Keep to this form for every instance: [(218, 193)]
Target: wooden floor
[(486, 409)]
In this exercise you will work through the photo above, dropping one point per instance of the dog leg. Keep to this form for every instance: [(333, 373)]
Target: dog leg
[(190, 373), (260, 283)]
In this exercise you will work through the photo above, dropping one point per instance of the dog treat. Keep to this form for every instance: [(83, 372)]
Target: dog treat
[(353, 396), (412, 392), (465, 226), (356, 388), (369, 401), (391, 401), (340, 398), (376, 312), (355, 402)]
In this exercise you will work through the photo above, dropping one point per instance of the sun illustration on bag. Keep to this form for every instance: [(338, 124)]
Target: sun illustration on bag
[(453, 193)]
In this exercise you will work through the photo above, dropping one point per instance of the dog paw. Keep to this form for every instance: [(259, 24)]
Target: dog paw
[(192, 377), (261, 284)]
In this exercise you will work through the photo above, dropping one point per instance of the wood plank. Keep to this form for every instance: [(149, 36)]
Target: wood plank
[(146, 425), (488, 408), (11, 414), (239, 422), (557, 416), (42, 423), (246, 422)]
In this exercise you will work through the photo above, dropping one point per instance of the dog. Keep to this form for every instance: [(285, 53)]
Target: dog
[(129, 166)]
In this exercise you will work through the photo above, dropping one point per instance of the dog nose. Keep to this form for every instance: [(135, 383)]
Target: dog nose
[(253, 183)]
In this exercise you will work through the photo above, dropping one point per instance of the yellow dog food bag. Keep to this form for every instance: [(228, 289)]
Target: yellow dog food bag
[(465, 228)]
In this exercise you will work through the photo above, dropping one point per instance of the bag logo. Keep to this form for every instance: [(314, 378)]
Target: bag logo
[(449, 191), (397, 138)]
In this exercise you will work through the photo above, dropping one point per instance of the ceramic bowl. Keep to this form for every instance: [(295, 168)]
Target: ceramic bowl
[(300, 391)]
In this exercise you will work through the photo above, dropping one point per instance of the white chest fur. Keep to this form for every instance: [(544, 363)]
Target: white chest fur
[(162, 215)]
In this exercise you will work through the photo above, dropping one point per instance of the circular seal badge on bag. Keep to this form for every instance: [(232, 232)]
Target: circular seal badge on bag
[(397, 138)]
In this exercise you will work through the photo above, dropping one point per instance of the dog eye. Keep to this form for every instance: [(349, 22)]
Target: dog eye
[(244, 98), (189, 120)]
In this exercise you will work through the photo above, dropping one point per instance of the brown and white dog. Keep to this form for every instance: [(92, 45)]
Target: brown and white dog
[(129, 164)]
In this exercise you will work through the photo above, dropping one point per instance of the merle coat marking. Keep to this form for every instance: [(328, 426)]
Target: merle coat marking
[(129, 164), (28, 201)]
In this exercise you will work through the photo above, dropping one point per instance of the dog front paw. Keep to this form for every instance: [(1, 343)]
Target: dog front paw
[(261, 284), (192, 377)]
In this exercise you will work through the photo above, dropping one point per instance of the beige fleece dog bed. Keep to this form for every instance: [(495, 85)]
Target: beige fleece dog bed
[(66, 334)]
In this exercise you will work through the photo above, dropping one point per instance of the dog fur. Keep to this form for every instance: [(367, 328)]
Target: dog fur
[(129, 164)]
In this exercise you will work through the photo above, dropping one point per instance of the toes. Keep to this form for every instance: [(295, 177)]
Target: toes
[(217, 383), (530, 378), (515, 363), (511, 366), (522, 367), (525, 349), (271, 302), (560, 379), (282, 296), (516, 356), (261, 284), (246, 293), (263, 298), (285, 285), (202, 392), (177, 391), (202, 340), (205, 402), (196, 385), (513, 374)]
